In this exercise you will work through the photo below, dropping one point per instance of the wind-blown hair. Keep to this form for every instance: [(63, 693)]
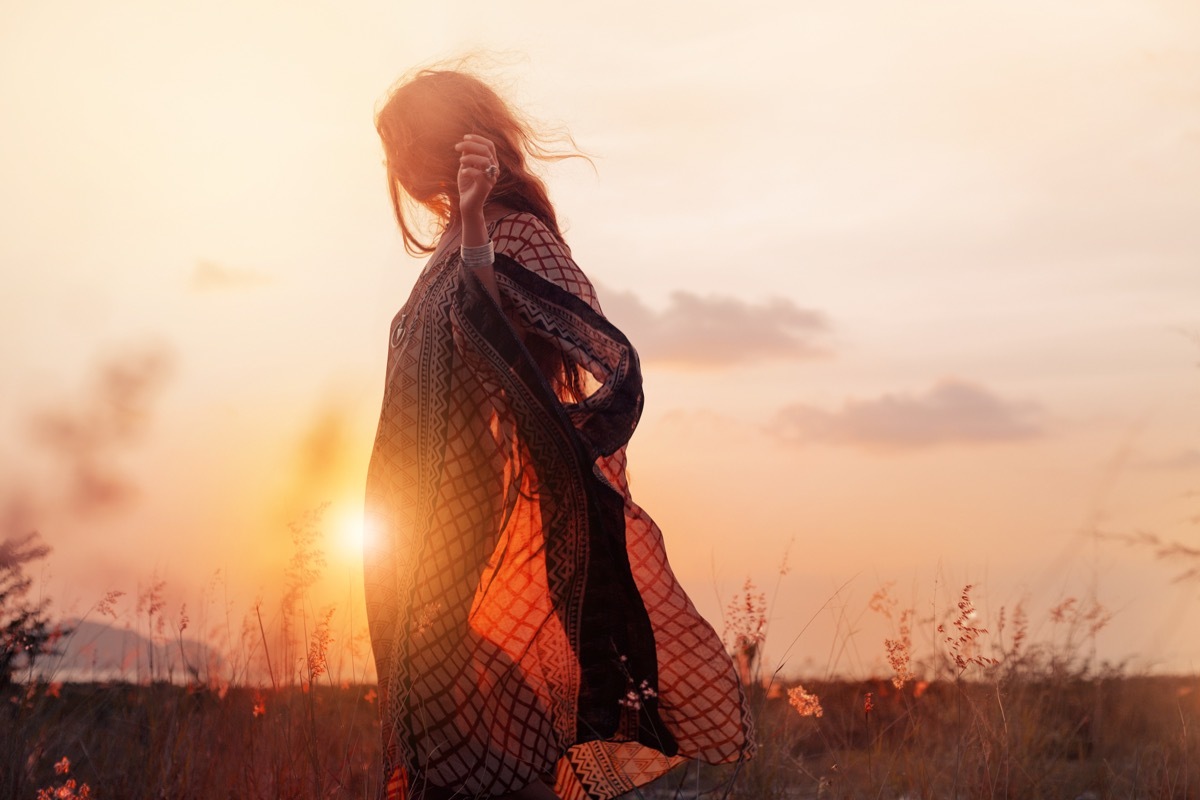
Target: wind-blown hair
[(424, 116)]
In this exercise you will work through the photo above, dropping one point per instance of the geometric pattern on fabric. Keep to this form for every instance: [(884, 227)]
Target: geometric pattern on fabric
[(524, 618)]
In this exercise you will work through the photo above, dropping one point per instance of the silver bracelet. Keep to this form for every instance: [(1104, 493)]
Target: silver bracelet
[(482, 256)]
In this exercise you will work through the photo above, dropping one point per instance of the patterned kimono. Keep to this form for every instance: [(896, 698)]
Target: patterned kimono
[(524, 619)]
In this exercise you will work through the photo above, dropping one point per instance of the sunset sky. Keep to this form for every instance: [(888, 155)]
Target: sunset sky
[(916, 288)]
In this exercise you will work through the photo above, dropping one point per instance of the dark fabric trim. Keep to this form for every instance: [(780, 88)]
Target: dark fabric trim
[(593, 591)]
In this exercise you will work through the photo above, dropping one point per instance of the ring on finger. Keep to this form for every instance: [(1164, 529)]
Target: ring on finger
[(492, 171)]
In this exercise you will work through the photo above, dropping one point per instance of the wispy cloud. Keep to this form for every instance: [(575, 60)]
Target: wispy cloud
[(1187, 458), (951, 411), (715, 332), (209, 275), (88, 434), (322, 465)]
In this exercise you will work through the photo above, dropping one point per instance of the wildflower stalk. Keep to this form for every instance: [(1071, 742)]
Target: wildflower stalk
[(180, 628), (266, 650), (868, 707)]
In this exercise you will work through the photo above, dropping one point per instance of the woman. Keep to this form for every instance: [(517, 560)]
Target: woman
[(527, 629)]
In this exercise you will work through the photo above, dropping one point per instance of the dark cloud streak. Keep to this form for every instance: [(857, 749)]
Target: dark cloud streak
[(88, 435)]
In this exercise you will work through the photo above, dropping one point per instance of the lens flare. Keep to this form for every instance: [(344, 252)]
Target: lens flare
[(351, 533)]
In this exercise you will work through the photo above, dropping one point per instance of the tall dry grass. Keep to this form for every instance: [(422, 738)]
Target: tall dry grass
[(967, 708), (983, 713), (263, 712)]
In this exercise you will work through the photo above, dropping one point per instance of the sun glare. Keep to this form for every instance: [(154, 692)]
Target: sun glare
[(351, 536)]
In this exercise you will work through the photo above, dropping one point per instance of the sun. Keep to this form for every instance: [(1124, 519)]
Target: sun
[(351, 534)]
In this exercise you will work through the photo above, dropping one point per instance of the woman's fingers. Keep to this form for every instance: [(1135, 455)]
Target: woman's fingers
[(476, 162), (487, 143), (477, 172), (474, 144), (471, 148), (483, 140)]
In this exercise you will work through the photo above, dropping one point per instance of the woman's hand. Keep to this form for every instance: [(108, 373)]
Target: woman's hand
[(478, 169), (475, 180)]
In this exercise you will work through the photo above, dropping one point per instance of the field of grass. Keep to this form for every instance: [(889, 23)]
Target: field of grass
[(964, 713), (1016, 737), (982, 715)]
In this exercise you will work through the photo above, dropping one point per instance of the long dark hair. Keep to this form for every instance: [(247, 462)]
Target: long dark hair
[(424, 116)]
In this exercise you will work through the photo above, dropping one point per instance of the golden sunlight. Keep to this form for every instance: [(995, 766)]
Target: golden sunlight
[(350, 532)]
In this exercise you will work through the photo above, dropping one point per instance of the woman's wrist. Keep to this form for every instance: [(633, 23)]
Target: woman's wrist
[(480, 256), (476, 247), (474, 229)]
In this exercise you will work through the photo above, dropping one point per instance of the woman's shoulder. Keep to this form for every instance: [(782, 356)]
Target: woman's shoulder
[(519, 229), (524, 238)]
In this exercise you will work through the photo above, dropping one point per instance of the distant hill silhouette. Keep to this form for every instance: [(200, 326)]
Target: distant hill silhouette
[(96, 651)]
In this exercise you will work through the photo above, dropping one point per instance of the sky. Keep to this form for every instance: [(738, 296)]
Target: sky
[(916, 289)]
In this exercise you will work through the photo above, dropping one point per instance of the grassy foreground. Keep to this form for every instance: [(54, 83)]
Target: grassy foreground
[(963, 711), (1014, 737)]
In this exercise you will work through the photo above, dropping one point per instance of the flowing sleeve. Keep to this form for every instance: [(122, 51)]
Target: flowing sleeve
[(556, 304), (581, 514)]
